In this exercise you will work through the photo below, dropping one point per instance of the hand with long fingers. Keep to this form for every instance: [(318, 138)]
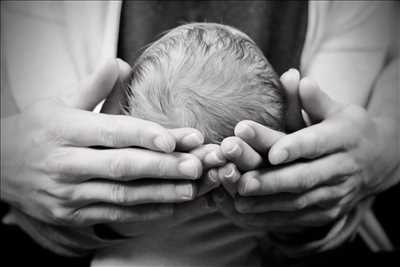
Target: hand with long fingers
[(317, 173), (65, 165)]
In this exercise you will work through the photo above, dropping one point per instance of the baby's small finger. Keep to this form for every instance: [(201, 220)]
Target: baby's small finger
[(214, 159), (229, 175), (208, 182)]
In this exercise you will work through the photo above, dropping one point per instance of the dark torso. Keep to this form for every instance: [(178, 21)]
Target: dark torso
[(278, 27)]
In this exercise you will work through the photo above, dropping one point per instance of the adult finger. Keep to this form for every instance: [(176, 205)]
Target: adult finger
[(312, 142), (116, 100), (258, 136), (294, 118), (316, 102), (130, 194), (108, 213), (325, 196), (72, 164), (92, 129), (240, 153), (186, 138), (210, 156), (208, 182), (297, 177), (316, 140)]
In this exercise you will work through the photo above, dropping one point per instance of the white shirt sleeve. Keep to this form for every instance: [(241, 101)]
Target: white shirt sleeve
[(47, 47), (346, 46)]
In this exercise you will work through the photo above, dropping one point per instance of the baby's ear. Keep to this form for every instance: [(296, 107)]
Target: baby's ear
[(117, 99)]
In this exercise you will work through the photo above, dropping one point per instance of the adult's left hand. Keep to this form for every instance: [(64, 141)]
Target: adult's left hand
[(316, 174)]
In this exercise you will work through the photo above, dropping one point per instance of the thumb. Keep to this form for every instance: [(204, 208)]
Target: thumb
[(117, 98), (294, 119), (89, 92), (317, 104)]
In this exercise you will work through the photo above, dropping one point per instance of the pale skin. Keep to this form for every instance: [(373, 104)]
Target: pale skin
[(55, 167), (316, 173), (268, 206)]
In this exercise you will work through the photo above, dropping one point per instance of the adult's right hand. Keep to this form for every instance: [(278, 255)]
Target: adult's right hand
[(65, 165)]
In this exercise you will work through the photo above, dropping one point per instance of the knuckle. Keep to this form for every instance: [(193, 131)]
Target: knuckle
[(305, 183), (351, 166), (107, 135), (339, 192), (62, 192), (162, 167), (56, 162), (119, 194), (311, 142), (307, 180), (333, 214), (116, 168), (60, 215), (114, 215), (301, 203)]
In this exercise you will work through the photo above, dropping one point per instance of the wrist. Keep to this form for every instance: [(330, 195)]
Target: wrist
[(387, 160)]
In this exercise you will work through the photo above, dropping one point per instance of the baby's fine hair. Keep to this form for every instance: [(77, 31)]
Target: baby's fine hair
[(207, 76)]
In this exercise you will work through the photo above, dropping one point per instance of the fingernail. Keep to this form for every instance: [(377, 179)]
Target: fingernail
[(189, 168), (213, 176), (244, 130), (251, 185), (185, 191), (279, 156), (193, 139), (234, 150), (215, 157), (164, 143), (229, 172)]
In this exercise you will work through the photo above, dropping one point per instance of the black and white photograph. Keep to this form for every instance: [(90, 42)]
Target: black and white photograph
[(200, 133)]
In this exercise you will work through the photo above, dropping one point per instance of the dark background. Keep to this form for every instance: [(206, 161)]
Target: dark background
[(18, 249)]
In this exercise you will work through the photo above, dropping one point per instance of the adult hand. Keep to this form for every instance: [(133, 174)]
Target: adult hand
[(65, 165), (319, 172)]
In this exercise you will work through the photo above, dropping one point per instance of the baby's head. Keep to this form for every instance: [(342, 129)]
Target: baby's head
[(206, 76)]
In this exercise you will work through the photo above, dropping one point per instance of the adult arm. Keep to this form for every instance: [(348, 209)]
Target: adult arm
[(297, 192)]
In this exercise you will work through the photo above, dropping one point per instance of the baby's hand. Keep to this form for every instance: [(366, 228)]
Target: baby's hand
[(211, 158)]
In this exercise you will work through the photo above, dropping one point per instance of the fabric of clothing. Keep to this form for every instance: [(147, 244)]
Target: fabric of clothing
[(278, 28)]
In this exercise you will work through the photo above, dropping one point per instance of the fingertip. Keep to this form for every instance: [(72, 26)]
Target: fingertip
[(193, 140), (244, 130), (231, 173), (230, 148), (212, 175), (248, 184), (278, 156), (165, 143), (191, 168), (122, 65), (290, 75), (214, 158)]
